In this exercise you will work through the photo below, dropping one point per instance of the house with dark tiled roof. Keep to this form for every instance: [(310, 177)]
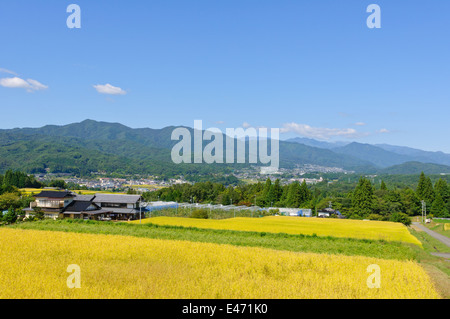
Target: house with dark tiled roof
[(64, 204), (52, 203)]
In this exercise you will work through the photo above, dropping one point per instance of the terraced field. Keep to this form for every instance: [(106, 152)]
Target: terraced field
[(33, 265), (294, 225)]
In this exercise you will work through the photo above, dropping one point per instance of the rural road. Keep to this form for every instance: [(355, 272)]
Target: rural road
[(439, 237)]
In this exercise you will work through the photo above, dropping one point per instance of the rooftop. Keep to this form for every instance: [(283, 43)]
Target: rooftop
[(116, 198), (54, 194), (79, 206)]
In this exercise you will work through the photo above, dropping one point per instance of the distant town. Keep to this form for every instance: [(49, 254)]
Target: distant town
[(100, 181)]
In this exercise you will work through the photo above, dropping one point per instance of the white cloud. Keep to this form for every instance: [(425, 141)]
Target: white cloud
[(360, 124), (247, 125), (219, 122), (320, 132), (383, 130), (7, 71), (109, 89), (30, 85), (35, 85)]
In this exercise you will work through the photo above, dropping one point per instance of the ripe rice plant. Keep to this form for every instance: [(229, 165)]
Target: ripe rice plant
[(33, 265), (295, 225)]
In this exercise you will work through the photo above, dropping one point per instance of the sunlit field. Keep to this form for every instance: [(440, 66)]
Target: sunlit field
[(295, 225), (33, 265)]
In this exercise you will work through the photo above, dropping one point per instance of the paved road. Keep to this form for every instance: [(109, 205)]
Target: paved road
[(439, 237)]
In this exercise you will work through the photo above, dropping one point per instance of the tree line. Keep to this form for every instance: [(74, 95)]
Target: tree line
[(364, 200)]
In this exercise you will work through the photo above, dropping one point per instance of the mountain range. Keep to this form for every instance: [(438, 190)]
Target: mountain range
[(92, 146), (380, 155)]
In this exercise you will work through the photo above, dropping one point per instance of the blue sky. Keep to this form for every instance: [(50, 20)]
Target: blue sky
[(312, 68)]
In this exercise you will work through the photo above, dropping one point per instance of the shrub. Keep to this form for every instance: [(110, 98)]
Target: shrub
[(10, 217), (375, 217), (200, 213), (400, 218)]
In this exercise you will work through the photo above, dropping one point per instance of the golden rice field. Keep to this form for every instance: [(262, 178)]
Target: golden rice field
[(447, 226), (33, 265), (295, 225)]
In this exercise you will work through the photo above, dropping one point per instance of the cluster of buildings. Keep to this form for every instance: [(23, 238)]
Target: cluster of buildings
[(65, 204), (110, 183)]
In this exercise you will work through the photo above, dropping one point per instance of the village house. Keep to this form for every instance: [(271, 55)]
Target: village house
[(65, 204)]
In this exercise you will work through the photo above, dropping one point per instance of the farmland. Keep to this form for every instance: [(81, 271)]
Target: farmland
[(294, 225), (268, 257), (127, 267), (278, 241)]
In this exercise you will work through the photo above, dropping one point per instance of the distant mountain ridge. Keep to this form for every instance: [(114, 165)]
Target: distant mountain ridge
[(87, 146), (91, 146), (381, 155)]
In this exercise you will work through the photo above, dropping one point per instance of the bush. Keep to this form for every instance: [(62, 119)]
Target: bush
[(200, 213), (10, 217), (375, 217), (400, 218)]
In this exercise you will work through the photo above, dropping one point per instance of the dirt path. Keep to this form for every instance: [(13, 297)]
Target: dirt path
[(433, 234)]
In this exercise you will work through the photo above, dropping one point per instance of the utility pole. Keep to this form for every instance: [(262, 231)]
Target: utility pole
[(423, 209), (140, 209), (255, 206), (425, 212)]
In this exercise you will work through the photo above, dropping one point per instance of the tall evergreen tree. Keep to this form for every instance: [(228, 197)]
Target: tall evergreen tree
[(441, 188), (425, 189), (277, 190), (363, 199), (293, 196), (305, 194), (439, 209)]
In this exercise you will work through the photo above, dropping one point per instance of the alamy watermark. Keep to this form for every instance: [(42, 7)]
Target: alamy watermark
[(74, 279), (374, 280), (74, 19), (235, 143), (374, 20)]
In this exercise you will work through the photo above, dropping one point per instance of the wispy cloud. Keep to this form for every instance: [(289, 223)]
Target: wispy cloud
[(2, 70), (320, 133), (109, 89), (248, 125), (383, 130), (30, 85), (360, 123)]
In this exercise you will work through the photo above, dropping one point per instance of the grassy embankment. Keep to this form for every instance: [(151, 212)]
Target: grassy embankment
[(440, 226), (438, 268)]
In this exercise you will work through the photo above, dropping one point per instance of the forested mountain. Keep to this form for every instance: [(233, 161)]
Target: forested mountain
[(91, 146), (112, 147), (374, 154), (416, 168), (418, 155)]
